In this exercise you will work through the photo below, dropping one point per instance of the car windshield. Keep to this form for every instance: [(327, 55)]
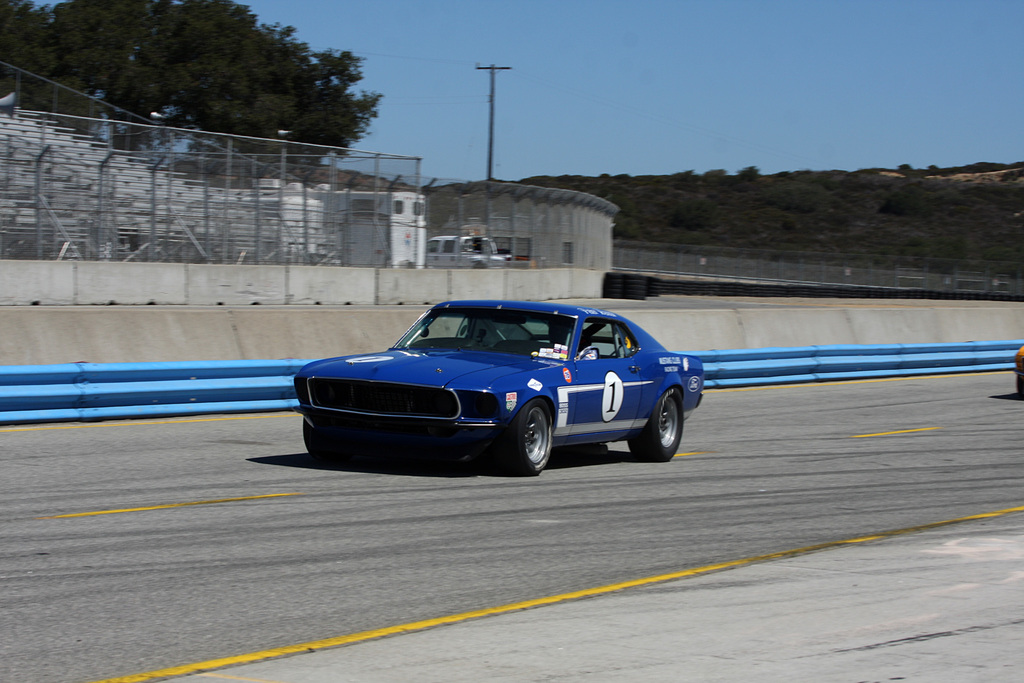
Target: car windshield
[(525, 333)]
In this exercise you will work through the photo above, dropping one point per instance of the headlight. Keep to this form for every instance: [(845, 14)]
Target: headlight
[(445, 403)]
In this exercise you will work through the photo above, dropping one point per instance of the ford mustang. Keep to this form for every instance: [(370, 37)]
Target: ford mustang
[(502, 379)]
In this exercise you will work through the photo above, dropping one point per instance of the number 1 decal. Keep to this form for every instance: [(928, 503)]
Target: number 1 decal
[(611, 401)]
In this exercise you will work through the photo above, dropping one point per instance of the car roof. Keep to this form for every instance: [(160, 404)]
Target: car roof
[(532, 306)]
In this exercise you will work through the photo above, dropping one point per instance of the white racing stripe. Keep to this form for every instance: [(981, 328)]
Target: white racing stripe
[(595, 427), (562, 425)]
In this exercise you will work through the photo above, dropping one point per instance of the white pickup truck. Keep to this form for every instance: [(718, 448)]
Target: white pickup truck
[(473, 251)]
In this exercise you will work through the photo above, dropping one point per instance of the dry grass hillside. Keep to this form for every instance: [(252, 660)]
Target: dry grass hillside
[(971, 212)]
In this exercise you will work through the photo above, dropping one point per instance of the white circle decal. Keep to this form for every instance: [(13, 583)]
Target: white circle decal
[(611, 400)]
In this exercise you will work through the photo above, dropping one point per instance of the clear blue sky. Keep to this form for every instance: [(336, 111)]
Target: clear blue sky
[(661, 86)]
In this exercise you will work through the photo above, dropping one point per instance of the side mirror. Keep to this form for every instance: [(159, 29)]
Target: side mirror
[(589, 353)]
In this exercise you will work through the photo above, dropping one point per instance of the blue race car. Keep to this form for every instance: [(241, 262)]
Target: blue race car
[(509, 379)]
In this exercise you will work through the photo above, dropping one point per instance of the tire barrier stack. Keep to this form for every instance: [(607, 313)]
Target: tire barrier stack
[(621, 285), (93, 391), (629, 286)]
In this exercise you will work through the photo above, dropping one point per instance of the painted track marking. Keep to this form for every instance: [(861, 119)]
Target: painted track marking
[(899, 431), (168, 506), (362, 636)]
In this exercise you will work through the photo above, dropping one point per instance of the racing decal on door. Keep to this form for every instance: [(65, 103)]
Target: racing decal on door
[(611, 401), (568, 391)]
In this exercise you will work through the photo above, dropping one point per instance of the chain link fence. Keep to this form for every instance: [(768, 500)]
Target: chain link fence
[(80, 179), (865, 270), (530, 226)]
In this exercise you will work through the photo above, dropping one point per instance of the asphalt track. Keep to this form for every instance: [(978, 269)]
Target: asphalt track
[(151, 547)]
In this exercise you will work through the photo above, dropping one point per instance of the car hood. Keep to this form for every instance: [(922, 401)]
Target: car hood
[(427, 367)]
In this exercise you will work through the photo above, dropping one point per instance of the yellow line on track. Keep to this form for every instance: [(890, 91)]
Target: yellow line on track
[(362, 636), (169, 505), (144, 422), (683, 455), (900, 431)]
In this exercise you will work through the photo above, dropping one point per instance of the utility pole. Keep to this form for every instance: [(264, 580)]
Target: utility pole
[(490, 136)]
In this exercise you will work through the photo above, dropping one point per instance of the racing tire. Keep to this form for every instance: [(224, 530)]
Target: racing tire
[(1020, 386), (660, 438), (634, 286), (314, 446), (525, 447), (612, 286)]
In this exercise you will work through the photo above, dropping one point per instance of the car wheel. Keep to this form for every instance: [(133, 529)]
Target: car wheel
[(525, 447), (1020, 386), (660, 438), (315, 446)]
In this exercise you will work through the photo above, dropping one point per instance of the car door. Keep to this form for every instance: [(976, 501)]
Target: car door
[(602, 400)]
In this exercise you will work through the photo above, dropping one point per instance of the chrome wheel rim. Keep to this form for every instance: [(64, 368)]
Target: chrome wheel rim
[(668, 422), (535, 436)]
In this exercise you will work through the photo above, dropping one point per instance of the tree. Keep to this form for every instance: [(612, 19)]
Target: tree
[(749, 174), (324, 92), (99, 46), (204, 64), (25, 35)]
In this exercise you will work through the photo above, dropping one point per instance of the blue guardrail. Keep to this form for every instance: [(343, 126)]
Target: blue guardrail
[(790, 365), (99, 391)]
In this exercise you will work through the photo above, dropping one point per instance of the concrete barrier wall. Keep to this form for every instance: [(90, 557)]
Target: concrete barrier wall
[(362, 310), (746, 328), (111, 334), (49, 283)]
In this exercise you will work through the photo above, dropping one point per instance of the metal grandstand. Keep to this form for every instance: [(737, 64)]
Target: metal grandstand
[(82, 179)]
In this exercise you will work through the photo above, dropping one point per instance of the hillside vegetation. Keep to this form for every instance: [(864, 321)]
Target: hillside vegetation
[(971, 212)]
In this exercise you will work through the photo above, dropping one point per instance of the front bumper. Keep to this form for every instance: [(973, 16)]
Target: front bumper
[(383, 436)]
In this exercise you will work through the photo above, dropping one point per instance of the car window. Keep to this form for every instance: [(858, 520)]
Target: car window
[(611, 339), (625, 343), (524, 333)]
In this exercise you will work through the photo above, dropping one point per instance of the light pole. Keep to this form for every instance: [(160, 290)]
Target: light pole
[(490, 134)]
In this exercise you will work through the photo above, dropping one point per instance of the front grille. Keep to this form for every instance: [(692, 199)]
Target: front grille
[(384, 398)]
